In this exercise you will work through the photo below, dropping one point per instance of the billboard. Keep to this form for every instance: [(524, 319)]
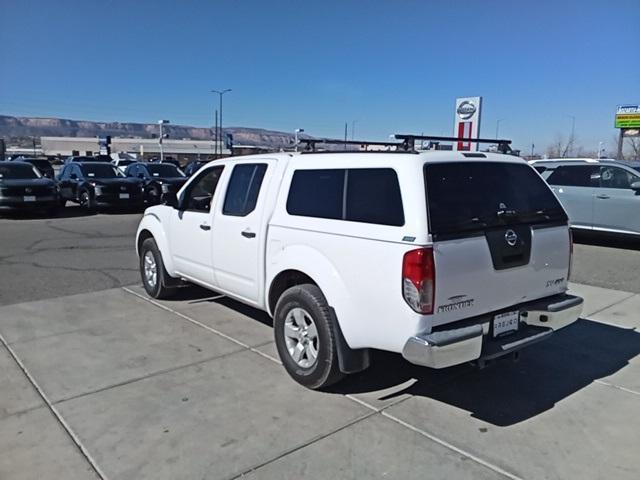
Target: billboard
[(467, 124), (628, 116)]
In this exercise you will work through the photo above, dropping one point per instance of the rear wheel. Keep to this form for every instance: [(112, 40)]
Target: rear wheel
[(154, 276), (305, 337)]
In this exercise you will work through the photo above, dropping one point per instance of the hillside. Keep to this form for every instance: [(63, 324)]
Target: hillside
[(20, 130)]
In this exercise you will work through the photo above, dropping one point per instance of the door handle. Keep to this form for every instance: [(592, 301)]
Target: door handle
[(204, 226), (603, 196), (248, 234)]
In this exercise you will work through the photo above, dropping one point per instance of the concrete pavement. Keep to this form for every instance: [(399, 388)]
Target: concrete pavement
[(122, 387)]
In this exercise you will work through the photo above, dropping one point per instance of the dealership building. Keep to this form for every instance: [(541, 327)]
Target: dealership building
[(181, 150)]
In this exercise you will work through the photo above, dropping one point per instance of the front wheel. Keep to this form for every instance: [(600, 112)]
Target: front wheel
[(305, 337), (154, 276), (87, 201)]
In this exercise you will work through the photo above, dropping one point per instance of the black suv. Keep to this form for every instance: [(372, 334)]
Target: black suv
[(42, 165), (98, 184), (22, 187), (158, 178)]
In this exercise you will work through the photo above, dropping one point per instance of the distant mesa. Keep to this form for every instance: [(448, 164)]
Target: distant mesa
[(21, 130)]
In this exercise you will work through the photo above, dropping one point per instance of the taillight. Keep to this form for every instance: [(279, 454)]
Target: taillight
[(419, 280), (570, 254)]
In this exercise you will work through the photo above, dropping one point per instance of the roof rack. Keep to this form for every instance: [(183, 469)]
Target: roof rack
[(409, 141), (310, 143)]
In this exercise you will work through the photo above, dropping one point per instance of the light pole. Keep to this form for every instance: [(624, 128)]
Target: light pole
[(220, 93), (498, 127), (161, 123), (295, 136)]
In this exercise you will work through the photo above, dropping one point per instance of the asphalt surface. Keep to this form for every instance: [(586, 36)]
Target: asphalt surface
[(50, 257), (44, 258)]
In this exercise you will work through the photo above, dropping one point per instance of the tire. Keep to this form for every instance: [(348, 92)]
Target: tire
[(153, 195), (86, 200), (151, 258), (305, 305)]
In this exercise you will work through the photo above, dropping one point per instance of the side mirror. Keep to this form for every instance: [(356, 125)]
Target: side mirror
[(635, 186), (170, 199), (73, 176)]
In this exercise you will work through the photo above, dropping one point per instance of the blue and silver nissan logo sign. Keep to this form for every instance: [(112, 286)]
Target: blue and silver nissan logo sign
[(511, 238), (466, 110)]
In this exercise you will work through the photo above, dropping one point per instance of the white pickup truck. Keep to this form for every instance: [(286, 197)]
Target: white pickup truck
[(445, 257)]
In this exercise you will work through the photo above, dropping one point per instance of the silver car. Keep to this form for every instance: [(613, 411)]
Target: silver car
[(597, 194)]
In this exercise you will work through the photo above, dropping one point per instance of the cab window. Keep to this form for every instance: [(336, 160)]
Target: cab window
[(200, 192)]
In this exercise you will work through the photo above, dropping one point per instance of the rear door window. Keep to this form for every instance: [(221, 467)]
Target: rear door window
[(473, 196), (244, 187), (316, 193), (574, 176)]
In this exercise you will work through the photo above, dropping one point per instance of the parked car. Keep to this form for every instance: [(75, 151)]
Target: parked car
[(42, 165), (122, 160), (600, 195), (443, 258), (98, 184), (157, 178), (23, 187), (193, 167)]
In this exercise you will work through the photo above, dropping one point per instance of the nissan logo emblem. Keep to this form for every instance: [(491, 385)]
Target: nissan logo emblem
[(124, 189), (511, 238), (466, 110), (28, 190)]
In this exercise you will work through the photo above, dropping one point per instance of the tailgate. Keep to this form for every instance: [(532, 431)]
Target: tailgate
[(500, 237), (474, 274)]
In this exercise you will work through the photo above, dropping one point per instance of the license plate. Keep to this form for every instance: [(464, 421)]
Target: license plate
[(29, 198), (505, 322), (124, 195)]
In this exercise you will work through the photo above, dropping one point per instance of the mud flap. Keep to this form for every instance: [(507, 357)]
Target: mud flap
[(349, 360)]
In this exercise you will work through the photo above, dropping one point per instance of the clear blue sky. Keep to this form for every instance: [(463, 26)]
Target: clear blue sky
[(392, 66)]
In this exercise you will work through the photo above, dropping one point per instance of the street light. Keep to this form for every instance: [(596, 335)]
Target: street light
[(161, 123), (295, 135), (220, 93)]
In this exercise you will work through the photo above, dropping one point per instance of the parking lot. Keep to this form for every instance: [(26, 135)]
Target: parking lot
[(98, 381)]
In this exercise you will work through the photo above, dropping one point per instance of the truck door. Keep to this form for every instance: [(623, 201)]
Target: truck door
[(191, 228), (240, 230)]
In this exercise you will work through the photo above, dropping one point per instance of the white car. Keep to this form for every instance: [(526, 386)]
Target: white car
[(122, 160), (445, 257)]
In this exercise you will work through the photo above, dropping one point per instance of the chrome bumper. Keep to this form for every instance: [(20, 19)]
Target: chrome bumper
[(446, 348)]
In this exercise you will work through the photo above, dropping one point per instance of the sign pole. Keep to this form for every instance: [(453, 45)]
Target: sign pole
[(620, 139)]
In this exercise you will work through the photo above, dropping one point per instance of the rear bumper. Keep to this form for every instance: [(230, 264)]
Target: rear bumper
[(472, 339), (114, 200)]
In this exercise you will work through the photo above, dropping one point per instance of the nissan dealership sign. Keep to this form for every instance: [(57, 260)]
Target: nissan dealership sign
[(467, 123)]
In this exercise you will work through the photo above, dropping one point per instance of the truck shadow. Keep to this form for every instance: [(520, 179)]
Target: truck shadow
[(507, 392), (504, 393)]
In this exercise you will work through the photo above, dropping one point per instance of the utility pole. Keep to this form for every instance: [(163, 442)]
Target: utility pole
[(215, 138), (345, 135), (221, 93)]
